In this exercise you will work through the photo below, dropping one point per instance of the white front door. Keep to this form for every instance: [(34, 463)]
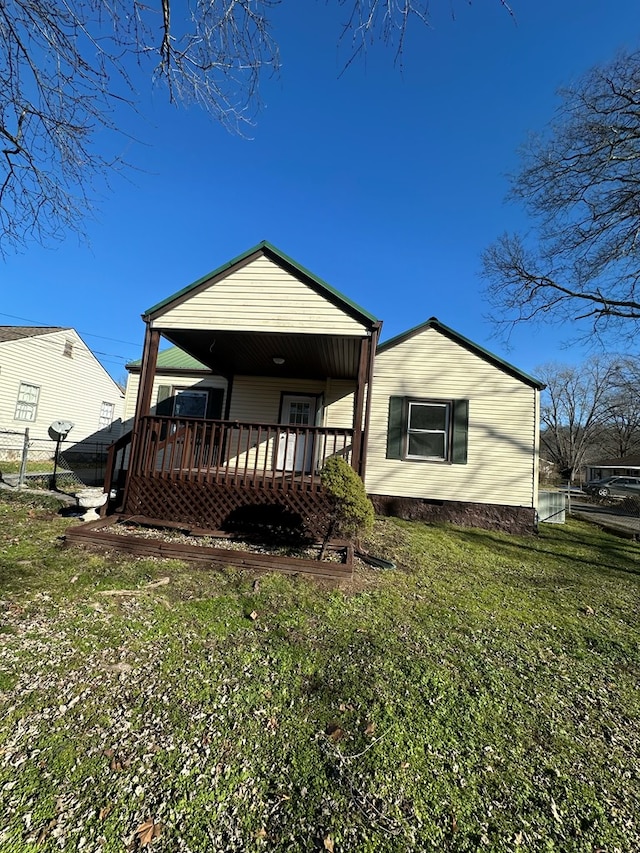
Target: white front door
[(295, 450)]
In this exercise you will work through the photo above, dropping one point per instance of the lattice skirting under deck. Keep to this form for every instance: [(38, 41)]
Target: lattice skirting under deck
[(209, 505)]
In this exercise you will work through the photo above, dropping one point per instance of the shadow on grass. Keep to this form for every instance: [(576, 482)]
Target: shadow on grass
[(608, 552)]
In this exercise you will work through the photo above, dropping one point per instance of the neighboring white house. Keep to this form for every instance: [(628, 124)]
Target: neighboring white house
[(628, 466), (49, 374)]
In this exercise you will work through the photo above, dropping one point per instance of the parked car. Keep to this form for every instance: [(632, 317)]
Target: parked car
[(616, 486)]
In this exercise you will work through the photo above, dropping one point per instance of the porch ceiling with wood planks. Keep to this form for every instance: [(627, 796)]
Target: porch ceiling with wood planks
[(249, 353)]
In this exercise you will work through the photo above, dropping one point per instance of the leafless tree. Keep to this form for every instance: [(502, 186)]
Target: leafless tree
[(574, 410), (67, 68), (580, 184), (621, 435)]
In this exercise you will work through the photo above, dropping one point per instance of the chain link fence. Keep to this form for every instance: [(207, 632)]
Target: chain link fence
[(41, 463), (624, 507), (619, 505)]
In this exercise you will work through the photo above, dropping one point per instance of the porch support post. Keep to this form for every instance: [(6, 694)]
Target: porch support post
[(143, 402), (373, 346), (358, 405), (147, 373)]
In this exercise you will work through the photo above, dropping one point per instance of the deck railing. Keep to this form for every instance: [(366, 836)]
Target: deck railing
[(253, 454), (117, 463)]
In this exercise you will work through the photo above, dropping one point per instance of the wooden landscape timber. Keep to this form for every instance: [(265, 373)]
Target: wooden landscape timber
[(95, 534)]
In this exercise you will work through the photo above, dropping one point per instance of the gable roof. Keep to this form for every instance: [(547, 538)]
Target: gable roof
[(434, 323), (17, 333), (172, 358), (317, 284), (20, 333)]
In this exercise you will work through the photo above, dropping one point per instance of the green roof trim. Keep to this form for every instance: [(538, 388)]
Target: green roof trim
[(276, 255), (434, 323), (172, 358)]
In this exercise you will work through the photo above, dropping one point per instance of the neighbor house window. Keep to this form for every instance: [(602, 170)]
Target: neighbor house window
[(68, 348), (27, 403), (427, 430), (106, 415)]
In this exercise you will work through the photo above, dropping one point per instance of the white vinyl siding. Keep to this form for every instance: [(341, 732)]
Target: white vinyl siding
[(257, 399), (71, 389), (502, 431), (260, 296), (339, 401)]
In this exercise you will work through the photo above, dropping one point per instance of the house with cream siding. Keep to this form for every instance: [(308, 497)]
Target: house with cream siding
[(270, 371), (48, 373), (453, 431)]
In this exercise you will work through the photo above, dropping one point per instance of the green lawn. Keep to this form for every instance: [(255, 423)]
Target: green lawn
[(481, 697)]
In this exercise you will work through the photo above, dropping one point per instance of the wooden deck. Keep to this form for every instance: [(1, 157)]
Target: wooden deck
[(96, 534), (201, 472)]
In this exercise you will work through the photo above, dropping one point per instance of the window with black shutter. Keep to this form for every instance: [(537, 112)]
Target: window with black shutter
[(428, 430)]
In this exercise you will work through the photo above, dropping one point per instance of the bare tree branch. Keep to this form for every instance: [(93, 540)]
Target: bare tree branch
[(622, 431), (580, 184), (66, 67)]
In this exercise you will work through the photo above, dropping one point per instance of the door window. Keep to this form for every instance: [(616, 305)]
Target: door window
[(299, 413), (295, 448)]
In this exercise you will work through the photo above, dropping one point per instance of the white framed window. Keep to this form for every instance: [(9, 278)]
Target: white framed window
[(428, 430), (106, 415), (27, 402)]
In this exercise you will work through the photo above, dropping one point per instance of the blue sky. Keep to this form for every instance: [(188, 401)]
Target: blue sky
[(386, 183)]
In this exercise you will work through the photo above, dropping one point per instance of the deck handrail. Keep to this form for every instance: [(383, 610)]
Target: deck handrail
[(250, 453)]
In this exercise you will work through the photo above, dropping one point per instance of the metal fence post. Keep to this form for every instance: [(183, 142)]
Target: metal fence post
[(23, 462)]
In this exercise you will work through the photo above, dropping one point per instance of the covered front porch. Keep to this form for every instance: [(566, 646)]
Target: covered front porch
[(293, 360)]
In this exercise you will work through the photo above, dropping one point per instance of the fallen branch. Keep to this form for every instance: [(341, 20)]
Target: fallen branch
[(140, 590)]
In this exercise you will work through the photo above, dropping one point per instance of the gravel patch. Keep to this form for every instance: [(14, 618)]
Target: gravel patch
[(165, 534)]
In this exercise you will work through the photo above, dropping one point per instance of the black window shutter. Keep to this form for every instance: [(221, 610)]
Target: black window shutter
[(214, 403), (460, 432), (164, 402), (395, 428)]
